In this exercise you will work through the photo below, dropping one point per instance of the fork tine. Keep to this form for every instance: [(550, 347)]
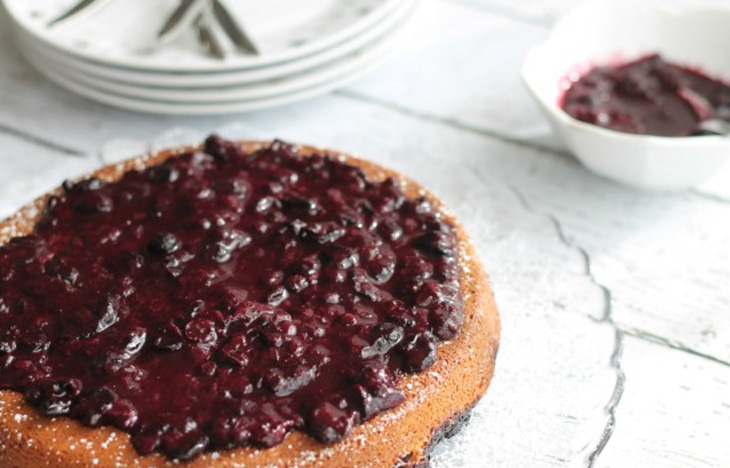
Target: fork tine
[(183, 17), (208, 39), (233, 28), (81, 7)]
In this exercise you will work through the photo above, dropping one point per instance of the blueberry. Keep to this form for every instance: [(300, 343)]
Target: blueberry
[(222, 150), (94, 202), (96, 405), (431, 294), (365, 287), (225, 241), (269, 426), (87, 185), (148, 440), (122, 414), (445, 322), (308, 266), (235, 351), (342, 257), (7, 346), (381, 269), (163, 243), (264, 204), (55, 398), (387, 337), (182, 445), (283, 384), (239, 385), (420, 353), (329, 424), (330, 235), (297, 283), (227, 433), (60, 269), (436, 244), (238, 186), (135, 341), (53, 202), (163, 173), (294, 205), (380, 399), (277, 296), (200, 330), (107, 313), (168, 338)]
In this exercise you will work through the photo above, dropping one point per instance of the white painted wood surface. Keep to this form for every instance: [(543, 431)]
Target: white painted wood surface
[(615, 303)]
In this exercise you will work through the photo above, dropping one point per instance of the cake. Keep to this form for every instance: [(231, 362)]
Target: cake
[(239, 305)]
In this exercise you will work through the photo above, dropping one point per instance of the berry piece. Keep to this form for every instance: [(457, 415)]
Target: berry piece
[(420, 353), (164, 243), (55, 398), (330, 424)]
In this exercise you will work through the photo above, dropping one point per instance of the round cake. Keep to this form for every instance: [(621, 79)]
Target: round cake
[(239, 305)]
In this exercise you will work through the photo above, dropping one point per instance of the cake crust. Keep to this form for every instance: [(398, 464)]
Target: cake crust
[(398, 438)]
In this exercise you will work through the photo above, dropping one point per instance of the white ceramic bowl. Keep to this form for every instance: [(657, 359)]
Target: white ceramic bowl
[(604, 31)]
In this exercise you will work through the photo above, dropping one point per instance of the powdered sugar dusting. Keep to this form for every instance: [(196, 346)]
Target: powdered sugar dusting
[(114, 446)]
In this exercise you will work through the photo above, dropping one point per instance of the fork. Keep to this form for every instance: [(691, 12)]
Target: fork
[(81, 9), (204, 15)]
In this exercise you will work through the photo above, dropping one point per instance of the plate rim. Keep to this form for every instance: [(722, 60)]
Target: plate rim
[(242, 61), (243, 106), (343, 66), (177, 81)]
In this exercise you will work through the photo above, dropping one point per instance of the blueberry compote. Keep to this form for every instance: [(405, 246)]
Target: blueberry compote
[(223, 299), (647, 96)]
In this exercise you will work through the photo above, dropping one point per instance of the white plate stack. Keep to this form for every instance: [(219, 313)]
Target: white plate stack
[(110, 52)]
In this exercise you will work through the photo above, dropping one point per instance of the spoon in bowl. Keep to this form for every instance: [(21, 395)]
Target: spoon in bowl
[(709, 124), (714, 127)]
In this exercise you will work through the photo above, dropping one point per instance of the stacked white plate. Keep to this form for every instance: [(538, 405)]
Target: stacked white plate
[(112, 53)]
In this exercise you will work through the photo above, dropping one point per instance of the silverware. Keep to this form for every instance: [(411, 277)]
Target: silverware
[(208, 39), (84, 7), (709, 124), (182, 18), (206, 17), (232, 28), (714, 127)]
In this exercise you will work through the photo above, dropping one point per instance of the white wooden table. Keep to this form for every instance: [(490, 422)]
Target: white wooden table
[(615, 303)]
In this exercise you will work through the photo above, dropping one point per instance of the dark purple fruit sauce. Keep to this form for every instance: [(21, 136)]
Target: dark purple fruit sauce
[(647, 96), (224, 299)]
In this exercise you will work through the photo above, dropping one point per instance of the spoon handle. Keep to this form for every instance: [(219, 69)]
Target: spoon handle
[(715, 127)]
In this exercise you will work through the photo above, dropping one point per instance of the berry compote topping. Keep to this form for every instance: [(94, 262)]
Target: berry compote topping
[(647, 96), (224, 299)]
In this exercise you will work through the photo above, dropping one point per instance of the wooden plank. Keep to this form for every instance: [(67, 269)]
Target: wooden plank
[(675, 411), (663, 257), (467, 73)]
